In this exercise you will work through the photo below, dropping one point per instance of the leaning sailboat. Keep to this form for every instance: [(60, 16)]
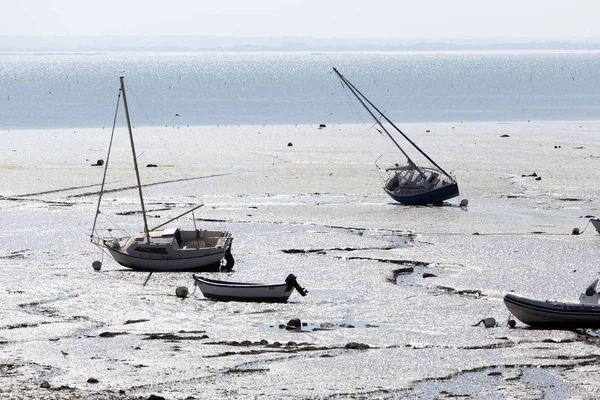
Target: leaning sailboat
[(410, 183), (171, 249)]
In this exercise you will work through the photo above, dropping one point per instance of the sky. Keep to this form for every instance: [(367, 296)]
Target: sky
[(377, 19)]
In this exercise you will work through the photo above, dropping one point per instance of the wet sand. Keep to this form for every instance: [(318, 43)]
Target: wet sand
[(373, 328)]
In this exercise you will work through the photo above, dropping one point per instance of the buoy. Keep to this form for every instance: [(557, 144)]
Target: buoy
[(576, 231), (464, 202), (181, 291), (489, 322), (96, 265), (512, 323)]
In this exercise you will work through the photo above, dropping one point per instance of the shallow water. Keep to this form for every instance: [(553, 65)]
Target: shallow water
[(49, 91), (314, 209)]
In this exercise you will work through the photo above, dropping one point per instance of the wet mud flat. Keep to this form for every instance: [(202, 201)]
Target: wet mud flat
[(394, 291)]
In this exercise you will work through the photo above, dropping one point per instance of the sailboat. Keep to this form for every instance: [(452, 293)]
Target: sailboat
[(171, 249), (410, 183)]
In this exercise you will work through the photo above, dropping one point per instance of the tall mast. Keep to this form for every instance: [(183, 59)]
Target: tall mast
[(361, 96), (377, 120), (137, 171)]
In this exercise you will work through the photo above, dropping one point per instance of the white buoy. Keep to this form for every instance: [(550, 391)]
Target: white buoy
[(489, 322), (96, 265), (464, 202), (181, 291)]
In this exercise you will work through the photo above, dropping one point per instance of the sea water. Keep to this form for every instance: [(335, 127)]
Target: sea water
[(41, 91), (315, 209)]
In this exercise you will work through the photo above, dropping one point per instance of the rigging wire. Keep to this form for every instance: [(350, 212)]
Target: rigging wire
[(376, 145), (112, 135), (164, 145)]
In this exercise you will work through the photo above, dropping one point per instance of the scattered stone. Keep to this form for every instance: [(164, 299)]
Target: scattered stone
[(429, 275), (427, 131), (357, 346), (135, 321), (111, 334), (294, 323), (530, 175), (404, 271), (92, 380), (45, 385)]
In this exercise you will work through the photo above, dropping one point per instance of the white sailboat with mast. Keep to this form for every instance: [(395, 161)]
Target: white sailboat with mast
[(409, 184), (171, 249)]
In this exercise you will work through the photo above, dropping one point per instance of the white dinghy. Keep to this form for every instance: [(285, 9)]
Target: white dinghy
[(170, 249), (251, 292), (557, 314)]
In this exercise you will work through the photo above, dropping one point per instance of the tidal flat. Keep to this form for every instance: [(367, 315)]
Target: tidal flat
[(394, 291)]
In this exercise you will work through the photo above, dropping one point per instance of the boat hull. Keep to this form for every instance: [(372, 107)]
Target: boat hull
[(596, 224), (552, 314), (172, 250), (435, 196), (208, 262), (248, 292)]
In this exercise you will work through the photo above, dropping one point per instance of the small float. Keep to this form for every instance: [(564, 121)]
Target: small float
[(251, 292), (557, 314)]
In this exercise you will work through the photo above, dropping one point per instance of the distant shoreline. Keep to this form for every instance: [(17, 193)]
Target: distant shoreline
[(112, 44)]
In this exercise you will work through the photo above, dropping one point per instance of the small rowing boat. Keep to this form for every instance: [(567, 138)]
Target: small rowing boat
[(557, 314), (251, 292)]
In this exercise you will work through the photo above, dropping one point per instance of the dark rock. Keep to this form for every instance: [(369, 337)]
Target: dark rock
[(111, 334), (155, 397), (505, 135), (403, 271), (357, 346), (294, 323), (427, 131), (92, 380), (539, 178), (322, 125), (45, 385), (429, 275), (151, 166), (290, 144)]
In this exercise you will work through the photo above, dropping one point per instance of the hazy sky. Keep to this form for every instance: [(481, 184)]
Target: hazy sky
[(400, 19)]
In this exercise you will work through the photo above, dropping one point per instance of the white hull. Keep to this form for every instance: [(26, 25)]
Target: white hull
[(251, 292), (172, 250), (551, 313)]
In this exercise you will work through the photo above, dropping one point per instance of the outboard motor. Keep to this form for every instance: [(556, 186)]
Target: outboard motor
[(590, 296), (292, 283)]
